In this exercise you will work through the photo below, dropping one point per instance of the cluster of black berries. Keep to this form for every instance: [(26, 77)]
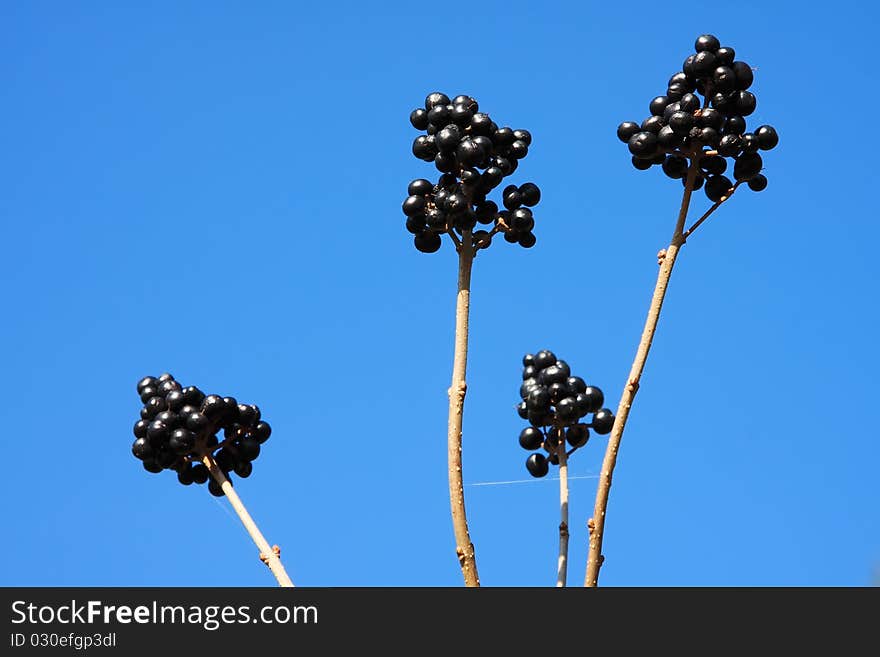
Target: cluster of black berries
[(682, 128), (178, 426), (473, 155), (553, 402)]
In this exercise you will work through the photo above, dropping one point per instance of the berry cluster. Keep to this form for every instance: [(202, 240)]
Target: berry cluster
[(473, 156), (683, 129), (553, 401), (179, 426)]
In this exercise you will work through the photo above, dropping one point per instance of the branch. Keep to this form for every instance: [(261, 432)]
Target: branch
[(457, 390), (269, 556), (667, 261), (562, 564), (717, 205)]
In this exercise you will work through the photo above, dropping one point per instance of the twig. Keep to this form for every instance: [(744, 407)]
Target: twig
[(562, 563), (457, 390), (717, 205), (455, 239), (596, 524), (268, 555)]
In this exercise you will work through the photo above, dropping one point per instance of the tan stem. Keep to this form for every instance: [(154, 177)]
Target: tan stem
[(457, 390), (596, 524), (562, 563), (266, 552)]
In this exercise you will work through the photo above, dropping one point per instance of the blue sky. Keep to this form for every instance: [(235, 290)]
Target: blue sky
[(214, 189)]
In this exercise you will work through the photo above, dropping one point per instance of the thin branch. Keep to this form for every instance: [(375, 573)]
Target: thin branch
[(457, 390), (562, 563), (596, 524), (270, 556), (708, 213), (455, 239)]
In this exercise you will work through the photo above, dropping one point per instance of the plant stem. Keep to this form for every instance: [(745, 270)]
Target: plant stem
[(266, 552), (596, 524), (457, 390), (562, 563), (709, 212)]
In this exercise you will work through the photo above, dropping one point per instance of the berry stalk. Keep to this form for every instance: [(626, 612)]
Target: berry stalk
[(667, 259), (562, 563), (267, 554), (457, 390)]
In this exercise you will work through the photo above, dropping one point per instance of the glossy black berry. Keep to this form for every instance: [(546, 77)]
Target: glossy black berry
[(747, 166), (157, 432), (141, 448), (658, 104), (558, 391), (185, 475), (744, 75), (527, 386), (594, 399), (512, 199), (249, 448), (243, 469), (531, 438), (758, 183), (643, 145), (262, 431), (717, 187), (723, 79), (481, 125), (419, 119), (545, 358), (750, 143), (530, 194), (577, 435), (166, 387), (576, 384), (152, 466), (745, 102), (652, 124), (424, 148), (518, 149), (169, 418), (734, 125), (767, 137), (704, 63), (707, 42), (681, 122), (713, 164), (420, 187), (147, 382), (603, 420), (140, 428), (725, 56), (675, 166), (213, 407), (730, 145), (414, 205), (537, 465), (522, 220), (427, 242), (182, 441), (567, 410), (538, 400), (626, 130)]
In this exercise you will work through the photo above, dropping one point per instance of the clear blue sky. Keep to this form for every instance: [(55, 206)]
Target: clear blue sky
[(214, 189)]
